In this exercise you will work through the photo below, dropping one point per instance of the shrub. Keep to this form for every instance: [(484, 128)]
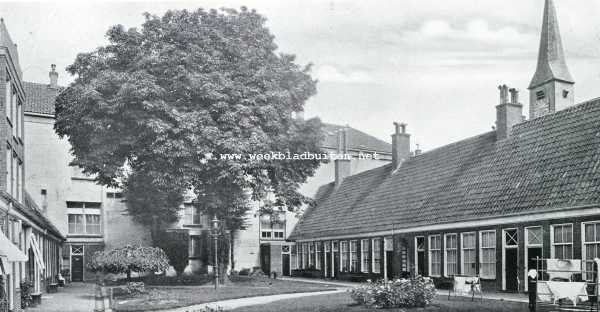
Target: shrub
[(401, 293), (26, 290), (129, 259), (176, 246)]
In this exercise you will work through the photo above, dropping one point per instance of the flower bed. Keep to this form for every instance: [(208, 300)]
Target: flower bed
[(401, 293)]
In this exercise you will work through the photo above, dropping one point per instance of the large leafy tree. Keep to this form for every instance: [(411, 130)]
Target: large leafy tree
[(155, 110)]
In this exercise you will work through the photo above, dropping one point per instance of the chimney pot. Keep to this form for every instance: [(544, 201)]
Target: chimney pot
[(342, 165), (400, 145), (53, 76), (508, 114)]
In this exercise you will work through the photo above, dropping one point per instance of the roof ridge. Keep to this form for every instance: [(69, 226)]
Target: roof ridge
[(558, 113)]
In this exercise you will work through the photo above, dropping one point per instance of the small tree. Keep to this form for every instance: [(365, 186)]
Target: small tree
[(176, 246), (131, 258)]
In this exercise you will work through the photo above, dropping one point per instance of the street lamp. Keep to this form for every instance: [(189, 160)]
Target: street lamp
[(215, 235)]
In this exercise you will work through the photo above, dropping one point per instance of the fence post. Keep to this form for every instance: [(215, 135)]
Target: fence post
[(532, 290), (98, 300)]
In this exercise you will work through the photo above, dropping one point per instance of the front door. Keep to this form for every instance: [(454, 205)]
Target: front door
[(328, 264), (389, 258), (286, 264), (512, 270), (77, 268), (265, 259)]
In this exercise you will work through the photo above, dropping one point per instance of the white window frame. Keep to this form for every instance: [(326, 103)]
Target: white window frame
[(355, 254), (344, 255), (528, 245), (552, 244), (362, 253), (376, 242), (584, 243), (446, 249), (481, 248), (430, 252), (318, 262)]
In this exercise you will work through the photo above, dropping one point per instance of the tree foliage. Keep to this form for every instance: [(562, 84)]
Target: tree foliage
[(131, 258), (170, 98)]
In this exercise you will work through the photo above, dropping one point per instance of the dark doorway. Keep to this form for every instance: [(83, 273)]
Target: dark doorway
[(328, 264), (512, 269), (77, 268), (265, 259), (285, 258), (389, 259), (421, 262), (532, 254), (336, 263)]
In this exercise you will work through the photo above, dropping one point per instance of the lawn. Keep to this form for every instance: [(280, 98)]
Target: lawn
[(165, 297), (342, 302)]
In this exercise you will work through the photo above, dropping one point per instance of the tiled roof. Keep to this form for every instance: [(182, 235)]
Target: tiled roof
[(32, 212), (357, 140), (39, 98), (549, 163)]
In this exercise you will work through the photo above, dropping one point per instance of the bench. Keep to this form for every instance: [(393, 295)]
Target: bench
[(466, 285), (36, 298), (52, 288)]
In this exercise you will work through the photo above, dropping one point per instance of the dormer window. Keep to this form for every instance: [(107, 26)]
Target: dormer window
[(540, 95)]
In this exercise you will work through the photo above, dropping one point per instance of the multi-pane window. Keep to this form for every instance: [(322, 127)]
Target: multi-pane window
[(451, 256), (435, 255), (76, 225), (488, 254), (468, 254), (273, 226), (305, 255), (511, 238), (311, 260), (84, 218), (294, 257), (195, 245), (365, 255), (9, 172), (318, 255), (300, 256), (345, 265), (535, 236), (562, 243), (376, 255), (92, 224), (194, 215), (8, 95), (591, 247), (354, 256)]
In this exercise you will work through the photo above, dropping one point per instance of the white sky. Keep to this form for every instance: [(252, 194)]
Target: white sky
[(434, 64)]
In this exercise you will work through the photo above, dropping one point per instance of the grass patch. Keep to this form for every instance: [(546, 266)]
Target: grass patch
[(166, 297), (341, 302)]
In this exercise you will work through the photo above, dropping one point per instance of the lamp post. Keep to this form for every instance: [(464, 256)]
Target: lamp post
[(215, 224)]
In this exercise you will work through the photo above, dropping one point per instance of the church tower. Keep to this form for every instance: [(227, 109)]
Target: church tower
[(552, 87)]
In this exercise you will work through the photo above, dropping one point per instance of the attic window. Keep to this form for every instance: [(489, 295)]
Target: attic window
[(565, 93), (540, 95)]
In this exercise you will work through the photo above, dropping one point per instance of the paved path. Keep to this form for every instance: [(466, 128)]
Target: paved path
[(244, 302), (75, 297)]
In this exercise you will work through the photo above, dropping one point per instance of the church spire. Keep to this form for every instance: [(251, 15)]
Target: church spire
[(552, 84)]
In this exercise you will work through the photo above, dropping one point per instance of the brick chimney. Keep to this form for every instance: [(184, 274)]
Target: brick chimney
[(342, 165), (53, 77), (508, 113), (400, 145)]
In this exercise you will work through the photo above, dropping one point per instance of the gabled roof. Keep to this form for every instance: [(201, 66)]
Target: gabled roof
[(39, 98), (33, 213), (549, 163), (551, 59), (357, 140)]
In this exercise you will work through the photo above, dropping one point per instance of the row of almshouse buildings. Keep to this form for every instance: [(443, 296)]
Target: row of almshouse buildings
[(485, 206), (29, 243)]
